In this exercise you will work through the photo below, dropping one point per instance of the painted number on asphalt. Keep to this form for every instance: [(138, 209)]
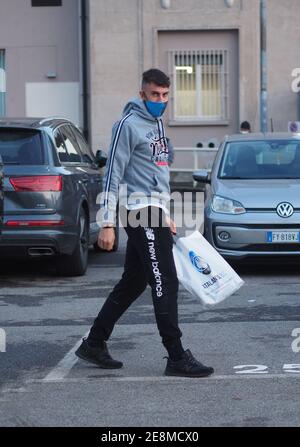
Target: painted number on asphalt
[(263, 369), (296, 343)]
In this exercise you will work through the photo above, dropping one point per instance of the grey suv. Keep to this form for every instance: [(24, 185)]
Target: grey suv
[(1, 194), (51, 183)]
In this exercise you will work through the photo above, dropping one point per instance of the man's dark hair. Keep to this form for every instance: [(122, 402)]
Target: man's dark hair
[(245, 125), (156, 76)]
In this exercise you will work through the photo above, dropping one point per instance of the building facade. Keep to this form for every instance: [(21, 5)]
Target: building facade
[(210, 49), (40, 58)]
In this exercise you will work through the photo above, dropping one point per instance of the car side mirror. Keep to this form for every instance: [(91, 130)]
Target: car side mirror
[(201, 176), (101, 158)]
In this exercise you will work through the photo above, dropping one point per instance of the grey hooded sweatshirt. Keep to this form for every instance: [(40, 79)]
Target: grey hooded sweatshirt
[(137, 163)]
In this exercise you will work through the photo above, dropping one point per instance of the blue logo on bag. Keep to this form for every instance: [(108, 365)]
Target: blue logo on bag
[(199, 263)]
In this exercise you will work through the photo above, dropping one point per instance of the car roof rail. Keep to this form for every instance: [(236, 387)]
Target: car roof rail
[(49, 118)]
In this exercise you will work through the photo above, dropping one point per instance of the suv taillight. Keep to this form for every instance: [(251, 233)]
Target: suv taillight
[(37, 183), (34, 223)]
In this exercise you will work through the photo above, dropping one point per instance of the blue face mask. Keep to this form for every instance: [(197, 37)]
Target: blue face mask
[(156, 109)]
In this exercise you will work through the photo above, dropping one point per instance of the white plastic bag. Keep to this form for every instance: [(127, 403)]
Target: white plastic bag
[(203, 271)]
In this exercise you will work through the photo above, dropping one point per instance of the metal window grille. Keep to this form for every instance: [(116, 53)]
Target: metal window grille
[(200, 84), (2, 83)]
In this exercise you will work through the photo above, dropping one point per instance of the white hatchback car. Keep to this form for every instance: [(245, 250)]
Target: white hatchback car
[(252, 197)]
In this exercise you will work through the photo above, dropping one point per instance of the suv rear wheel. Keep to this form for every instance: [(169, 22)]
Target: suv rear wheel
[(76, 263)]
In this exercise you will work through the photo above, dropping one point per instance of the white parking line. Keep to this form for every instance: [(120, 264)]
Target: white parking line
[(60, 378), (65, 365)]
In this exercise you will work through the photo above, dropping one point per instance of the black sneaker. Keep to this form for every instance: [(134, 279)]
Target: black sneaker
[(97, 355), (188, 366)]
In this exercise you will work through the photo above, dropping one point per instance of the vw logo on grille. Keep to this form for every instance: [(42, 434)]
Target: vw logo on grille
[(285, 209)]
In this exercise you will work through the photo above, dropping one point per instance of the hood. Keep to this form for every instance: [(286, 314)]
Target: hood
[(137, 105), (260, 193)]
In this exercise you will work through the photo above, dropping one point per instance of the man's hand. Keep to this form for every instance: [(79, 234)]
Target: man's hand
[(171, 224), (106, 238)]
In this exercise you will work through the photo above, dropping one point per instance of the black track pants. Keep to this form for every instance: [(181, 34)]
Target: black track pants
[(149, 260)]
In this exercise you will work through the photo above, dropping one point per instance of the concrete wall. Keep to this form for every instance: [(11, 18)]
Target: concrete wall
[(283, 18), (125, 41), (38, 40), (124, 35), (115, 67)]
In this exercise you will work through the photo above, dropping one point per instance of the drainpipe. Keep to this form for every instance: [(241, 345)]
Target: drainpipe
[(141, 36), (84, 69), (263, 68)]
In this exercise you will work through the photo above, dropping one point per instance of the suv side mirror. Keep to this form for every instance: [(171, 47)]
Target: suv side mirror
[(101, 158)]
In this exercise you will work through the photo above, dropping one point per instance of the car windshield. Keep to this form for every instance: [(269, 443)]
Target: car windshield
[(21, 147), (265, 159)]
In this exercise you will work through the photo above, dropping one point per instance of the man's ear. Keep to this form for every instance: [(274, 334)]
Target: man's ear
[(142, 95)]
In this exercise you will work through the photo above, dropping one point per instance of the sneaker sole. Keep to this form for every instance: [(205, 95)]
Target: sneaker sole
[(189, 375), (94, 362)]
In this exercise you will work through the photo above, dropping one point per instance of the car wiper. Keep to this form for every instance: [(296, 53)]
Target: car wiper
[(11, 163), (238, 178)]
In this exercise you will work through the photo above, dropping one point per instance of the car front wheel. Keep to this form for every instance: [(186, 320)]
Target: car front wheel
[(76, 263)]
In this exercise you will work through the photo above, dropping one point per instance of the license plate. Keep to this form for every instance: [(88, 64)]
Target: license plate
[(277, 237)]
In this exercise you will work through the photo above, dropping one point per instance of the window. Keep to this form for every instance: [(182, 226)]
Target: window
[(71, 145), (84, 148), (61, 148), (200, 90), (2, 83), (268, 159), (46, 2), (21, 147)]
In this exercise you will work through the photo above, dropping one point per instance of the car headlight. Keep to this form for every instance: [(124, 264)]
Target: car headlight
[(227, 206)]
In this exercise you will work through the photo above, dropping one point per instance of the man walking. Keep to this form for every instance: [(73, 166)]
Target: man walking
[(138, 158)]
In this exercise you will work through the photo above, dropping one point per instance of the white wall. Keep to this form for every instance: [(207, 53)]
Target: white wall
[(52, 99)]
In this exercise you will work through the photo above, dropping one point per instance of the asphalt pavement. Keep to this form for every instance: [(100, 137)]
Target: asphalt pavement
[(251, 340)]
